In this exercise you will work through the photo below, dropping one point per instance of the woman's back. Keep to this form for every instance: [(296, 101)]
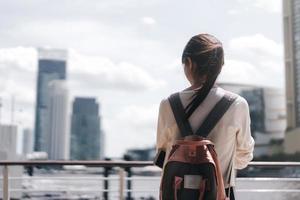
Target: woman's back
[(203, 59), (231, 136)]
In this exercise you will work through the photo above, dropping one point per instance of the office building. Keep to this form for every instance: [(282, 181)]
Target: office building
[(28, 140), (8, 151), (291, 22), (86, 132), (8, 142), (51, 66), (255, 100), (268, 115), (57, 133)]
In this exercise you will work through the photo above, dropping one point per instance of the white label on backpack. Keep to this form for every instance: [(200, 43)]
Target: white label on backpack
[(192, 181)]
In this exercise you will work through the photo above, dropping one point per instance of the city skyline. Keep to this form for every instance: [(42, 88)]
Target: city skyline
[(131, 64)]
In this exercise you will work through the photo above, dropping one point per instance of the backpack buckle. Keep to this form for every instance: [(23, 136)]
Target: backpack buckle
[(192, 150)]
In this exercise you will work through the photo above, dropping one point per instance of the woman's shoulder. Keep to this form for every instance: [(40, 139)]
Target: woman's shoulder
[(238, 97), (240, 102), (215, 93)]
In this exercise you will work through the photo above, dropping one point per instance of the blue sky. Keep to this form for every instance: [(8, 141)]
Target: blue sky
[(127, 54)]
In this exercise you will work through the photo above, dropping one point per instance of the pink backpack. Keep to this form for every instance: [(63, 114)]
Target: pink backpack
[(192, 171)]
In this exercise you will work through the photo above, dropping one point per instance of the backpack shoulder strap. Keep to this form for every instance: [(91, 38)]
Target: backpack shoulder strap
[(215, 115), (179, 114)]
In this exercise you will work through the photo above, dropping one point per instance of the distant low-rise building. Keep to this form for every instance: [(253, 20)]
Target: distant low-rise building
[(8, 151), (141, 154), (268, 115)]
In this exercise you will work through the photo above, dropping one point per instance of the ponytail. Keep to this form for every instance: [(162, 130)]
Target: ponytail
[(207, 53)]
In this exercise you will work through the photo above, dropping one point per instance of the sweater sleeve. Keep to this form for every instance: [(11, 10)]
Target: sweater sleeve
[(161, 138), (245, 142)]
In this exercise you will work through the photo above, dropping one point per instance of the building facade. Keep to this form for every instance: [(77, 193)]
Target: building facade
[(255, 99), (8, 151), (28, 140), (86, 132), (291, 22), (57, 134), (268, 115), (51, 66), (8, 142), (146, 154)]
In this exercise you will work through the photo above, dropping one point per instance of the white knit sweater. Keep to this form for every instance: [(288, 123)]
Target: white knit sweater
[(231, 136)]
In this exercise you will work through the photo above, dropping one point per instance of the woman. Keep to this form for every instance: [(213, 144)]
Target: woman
[(203, 58)]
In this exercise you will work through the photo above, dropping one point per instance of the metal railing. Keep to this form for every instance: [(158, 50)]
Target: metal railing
[(123, 168)]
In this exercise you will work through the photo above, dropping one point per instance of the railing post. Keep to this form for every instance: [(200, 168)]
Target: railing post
[(106, 184), (121, 183), (129, 188), (5, 183)]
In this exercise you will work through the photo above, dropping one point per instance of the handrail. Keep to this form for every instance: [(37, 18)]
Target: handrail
[(80, 162), (123, 164)]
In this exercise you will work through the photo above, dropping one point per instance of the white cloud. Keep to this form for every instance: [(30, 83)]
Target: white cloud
[(145, 117), (234, 12), (256, 45), (265, 73), (19, 57), (255, 60), (272, 6), (148, 20), (241, 72), (269, 5), (101, 72)]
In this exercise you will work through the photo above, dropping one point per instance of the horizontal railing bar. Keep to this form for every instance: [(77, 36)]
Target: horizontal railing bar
[(154, 190), (154, 178), (268, 179), (274, 164), (144, 179), (77, 190), (61, 177), (127, 163), (269, 190), (61, 190), (89, 163)]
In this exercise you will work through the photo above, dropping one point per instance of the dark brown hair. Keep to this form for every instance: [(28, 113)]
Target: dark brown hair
[(207, 56)]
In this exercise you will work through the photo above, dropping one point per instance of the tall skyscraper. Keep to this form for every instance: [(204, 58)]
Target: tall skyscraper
[(57, 134), (291, 22), (85, 130), (51, 66)]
